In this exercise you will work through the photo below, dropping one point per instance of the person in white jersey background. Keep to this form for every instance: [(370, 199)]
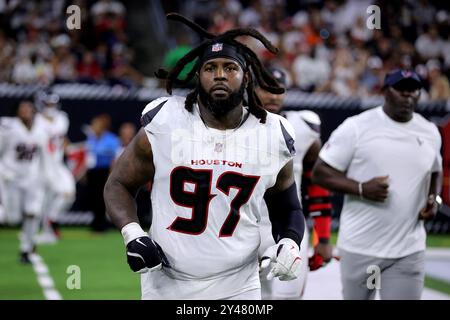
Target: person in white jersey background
[(316, 200), (213, 160), (387, 162), (25, 166), (56, 123)]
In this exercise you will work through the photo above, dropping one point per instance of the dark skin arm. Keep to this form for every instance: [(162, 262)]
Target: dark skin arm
[(325, 250), (133, 169), (285, 179), (431, 208), (312, 154), (375, 189)]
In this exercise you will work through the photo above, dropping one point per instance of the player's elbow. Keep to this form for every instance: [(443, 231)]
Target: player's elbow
[(115, 188), (327, 177), (318, 175)]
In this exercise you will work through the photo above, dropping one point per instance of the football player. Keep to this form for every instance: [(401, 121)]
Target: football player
[(316, 200), (213, 160), (25, 169), (57, 201)]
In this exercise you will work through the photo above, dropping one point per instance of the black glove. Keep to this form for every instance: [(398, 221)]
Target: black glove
[(144, 254)]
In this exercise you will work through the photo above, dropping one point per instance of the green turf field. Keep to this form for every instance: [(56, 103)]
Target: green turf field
[(104, 271), (437, 284), (101, 258)]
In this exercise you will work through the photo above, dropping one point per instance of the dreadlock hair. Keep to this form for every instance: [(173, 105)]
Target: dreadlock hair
[(263, 77)]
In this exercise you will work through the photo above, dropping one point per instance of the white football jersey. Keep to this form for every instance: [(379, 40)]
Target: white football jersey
[(22, 151), (305, 137), (56, 127), (208, 188)]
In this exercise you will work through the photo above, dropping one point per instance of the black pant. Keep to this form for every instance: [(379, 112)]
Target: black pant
[(96, 183)]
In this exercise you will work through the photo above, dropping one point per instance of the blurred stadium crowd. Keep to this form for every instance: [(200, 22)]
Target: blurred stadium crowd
[(37, 48), (325, 45)]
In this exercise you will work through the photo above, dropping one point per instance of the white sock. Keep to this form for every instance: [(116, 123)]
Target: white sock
[(30, 228)]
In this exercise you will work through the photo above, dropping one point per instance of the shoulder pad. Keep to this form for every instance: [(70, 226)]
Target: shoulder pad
[(288, 135), (151, 110), (311, 119)]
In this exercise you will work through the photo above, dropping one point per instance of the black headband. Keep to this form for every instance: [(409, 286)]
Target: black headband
[(223, 50)]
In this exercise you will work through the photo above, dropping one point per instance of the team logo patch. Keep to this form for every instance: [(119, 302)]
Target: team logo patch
[(419, 141), (217, 47)]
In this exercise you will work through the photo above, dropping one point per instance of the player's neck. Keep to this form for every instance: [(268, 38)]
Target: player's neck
[(231, 120), (27, 124)]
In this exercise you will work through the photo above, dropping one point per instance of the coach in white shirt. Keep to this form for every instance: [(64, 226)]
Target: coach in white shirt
[(387, 162)]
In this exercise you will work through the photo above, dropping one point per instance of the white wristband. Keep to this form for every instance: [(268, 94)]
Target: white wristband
[(132, 231), (289, 241)]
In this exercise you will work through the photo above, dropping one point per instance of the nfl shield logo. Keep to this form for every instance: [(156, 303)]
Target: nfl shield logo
[(218, 147), (216, 47), (406, 74)]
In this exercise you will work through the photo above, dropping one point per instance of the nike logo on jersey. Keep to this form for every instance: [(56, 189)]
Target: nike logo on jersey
[(139, 241), (420, 141)]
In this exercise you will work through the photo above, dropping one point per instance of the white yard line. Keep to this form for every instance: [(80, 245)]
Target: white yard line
[(325, 284), (44, 279), (437, 253), (430, 294)]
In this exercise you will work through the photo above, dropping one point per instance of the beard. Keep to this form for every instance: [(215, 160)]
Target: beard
[(219, 107)]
